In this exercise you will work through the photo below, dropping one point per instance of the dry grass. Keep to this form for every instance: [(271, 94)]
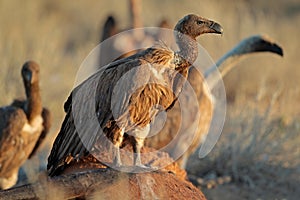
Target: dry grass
[(257, 134), (258, 149)]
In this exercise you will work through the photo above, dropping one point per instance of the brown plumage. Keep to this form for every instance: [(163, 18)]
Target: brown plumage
[(46, 115), (154, 73), (246, 47), (21, 125)]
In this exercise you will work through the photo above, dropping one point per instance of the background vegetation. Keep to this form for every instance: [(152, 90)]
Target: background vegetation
[(259, 147)]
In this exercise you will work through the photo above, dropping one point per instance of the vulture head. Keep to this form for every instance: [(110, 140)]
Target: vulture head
[(194, 26), (30, 73), (186, 31), (258, 43)]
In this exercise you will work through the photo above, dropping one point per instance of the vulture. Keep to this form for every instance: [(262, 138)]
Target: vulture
[(124, 96), (184, 143), (132, 38), (109, 28), (23, 125)]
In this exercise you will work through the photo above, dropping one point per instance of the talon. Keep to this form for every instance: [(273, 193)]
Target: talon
[(143, 166)]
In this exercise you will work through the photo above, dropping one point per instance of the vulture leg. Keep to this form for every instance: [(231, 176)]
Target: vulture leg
[(117, 144), (117, 157), (138, 144), (140, 135)]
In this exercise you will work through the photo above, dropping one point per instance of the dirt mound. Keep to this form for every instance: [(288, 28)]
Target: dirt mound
[(89, 179), (154, 185), (169, 182)]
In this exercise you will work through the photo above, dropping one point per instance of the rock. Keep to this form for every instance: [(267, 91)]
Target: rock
[(89, 179)]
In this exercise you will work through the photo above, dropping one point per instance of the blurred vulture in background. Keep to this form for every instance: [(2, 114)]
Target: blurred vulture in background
[(23, 125), (131, 39)]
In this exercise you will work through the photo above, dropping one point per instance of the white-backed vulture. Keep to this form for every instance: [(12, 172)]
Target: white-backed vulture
[(22, 126), (153, 73)]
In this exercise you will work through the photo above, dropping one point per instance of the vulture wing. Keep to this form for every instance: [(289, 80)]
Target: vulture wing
[(12, 121)]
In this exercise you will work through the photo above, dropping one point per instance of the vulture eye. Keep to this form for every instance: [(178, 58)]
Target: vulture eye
[(199, 22)]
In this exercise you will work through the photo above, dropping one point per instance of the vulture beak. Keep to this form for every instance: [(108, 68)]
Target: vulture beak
[(28, 77), (269, 46), (216, 28)]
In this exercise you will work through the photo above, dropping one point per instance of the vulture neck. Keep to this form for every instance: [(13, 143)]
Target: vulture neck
[(186, 56), (33, 106), (188, 50)]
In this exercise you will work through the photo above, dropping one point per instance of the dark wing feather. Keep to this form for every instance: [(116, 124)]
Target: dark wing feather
[(19, 103)]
